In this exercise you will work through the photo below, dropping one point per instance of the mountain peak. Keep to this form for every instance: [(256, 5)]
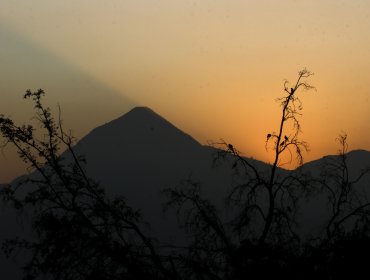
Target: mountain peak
[(141, 110), (139, 114), (144, 118), (140, 125)]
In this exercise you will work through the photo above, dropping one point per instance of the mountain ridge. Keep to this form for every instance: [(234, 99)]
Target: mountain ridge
[(140, 153), (145, 112)]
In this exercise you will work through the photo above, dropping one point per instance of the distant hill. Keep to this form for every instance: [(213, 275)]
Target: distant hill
[(316, 210), (357, 160)]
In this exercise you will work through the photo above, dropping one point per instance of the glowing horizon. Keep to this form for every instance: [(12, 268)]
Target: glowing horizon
[(212, 68)]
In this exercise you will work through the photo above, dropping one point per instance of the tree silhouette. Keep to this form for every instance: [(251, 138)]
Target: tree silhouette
[(341, 250), (261, 240), (80, 232), (343, 197), (266, 205)]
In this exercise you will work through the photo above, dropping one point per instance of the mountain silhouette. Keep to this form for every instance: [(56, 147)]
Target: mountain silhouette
[(140, 153)]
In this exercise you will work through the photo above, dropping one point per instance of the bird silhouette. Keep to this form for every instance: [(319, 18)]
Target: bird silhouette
[(286, 138), (268, 136), (231, 148)]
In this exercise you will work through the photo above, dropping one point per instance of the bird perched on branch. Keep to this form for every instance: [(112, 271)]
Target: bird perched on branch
[(231, 148)]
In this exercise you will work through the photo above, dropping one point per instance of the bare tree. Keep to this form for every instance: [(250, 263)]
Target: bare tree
[(265, 204), (340, 249), (80, 232), (292, 106), (349, 204), (276, 217)]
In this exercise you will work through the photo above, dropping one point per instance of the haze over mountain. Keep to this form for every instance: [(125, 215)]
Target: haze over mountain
[(28, 65), (140, 153)]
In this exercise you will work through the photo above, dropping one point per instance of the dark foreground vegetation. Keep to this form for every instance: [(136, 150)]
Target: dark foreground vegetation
[(82, 233)]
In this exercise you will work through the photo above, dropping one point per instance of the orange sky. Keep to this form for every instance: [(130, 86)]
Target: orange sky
[(213, 68)]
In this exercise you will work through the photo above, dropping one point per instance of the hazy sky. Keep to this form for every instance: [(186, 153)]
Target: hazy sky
[(213, 68)]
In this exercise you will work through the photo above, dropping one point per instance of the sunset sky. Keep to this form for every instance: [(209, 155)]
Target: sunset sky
[(211, 67)]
